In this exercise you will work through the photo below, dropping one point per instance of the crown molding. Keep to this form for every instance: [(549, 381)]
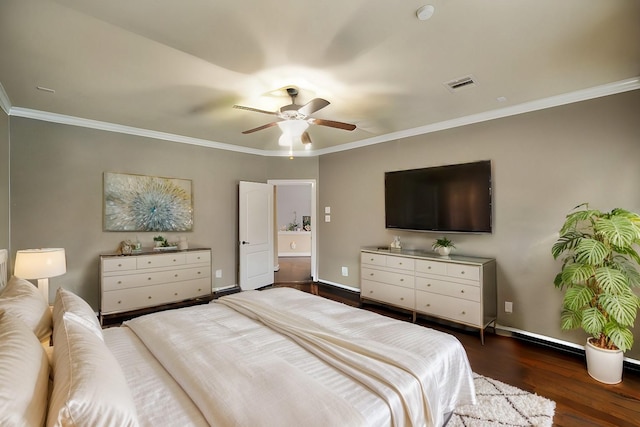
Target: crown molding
[(527, 107), (129, 130), (554, 101), (5, 102)]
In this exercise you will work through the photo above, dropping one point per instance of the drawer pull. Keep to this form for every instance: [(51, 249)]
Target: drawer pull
[(401, 298), (370, 274), (428, 285), (462, 272), (119, 282), (399, 263), (175, 294), (149, 297), (370, 292), (370, 259), (462, 291), (199, 272), (119, 302), (199, 289), (464, 312), (148, 278), (402, 280), (429, 268), (119, 265), (428, 305), (174, 260), (175, 275)]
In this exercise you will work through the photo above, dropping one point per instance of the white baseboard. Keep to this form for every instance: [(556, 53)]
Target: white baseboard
[(554, 341)]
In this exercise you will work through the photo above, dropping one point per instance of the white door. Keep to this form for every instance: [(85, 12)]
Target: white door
[(256, 235)]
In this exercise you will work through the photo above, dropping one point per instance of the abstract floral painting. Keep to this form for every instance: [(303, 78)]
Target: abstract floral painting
[(147, 203)]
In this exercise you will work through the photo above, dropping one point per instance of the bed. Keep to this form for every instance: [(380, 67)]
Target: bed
[(276, 357)]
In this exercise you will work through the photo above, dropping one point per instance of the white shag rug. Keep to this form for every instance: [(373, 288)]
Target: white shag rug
[(500, 404)]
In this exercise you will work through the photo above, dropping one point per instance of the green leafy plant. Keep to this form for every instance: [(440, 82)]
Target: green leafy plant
[(599, 272), (443, 242)]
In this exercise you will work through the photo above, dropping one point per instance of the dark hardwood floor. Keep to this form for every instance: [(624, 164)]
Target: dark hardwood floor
[(555, 374)]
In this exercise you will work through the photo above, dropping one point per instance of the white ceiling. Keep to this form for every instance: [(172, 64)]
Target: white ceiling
[(178, 67)]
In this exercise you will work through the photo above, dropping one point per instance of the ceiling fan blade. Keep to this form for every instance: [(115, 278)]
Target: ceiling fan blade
[(312, 106), (256, 110), (331, 123), (305, 138), (268, 125)]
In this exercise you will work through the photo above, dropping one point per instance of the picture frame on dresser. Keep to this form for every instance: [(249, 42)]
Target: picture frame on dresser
[(456, 289)]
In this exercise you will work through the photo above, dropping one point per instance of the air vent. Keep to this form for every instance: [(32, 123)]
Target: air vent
[(457, 84)]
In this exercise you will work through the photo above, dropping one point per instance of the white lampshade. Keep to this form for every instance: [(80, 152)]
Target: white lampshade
[(291, 131), (40, 264)]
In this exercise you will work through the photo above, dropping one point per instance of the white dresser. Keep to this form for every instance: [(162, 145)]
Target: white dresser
[(458, 289), (152, 278)]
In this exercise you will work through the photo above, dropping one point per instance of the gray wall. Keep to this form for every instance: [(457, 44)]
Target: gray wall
[(544, 164), (4, 180), (56, 184)]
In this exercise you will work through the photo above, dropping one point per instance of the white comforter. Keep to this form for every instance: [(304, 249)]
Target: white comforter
[(317, 362)]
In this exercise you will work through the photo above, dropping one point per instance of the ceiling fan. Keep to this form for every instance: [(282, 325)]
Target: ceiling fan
[(295, 118)]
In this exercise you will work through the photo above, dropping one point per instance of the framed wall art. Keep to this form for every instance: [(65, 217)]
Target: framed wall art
[(147, 203)]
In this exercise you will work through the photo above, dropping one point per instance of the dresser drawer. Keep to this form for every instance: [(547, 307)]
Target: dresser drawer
[(373, 259), (112, 283), (389, 294), (147, 296), (462, 271), (400, 263), (431, 267), (118, 264), (198, 257), (453, 289), (165, 260), (389, 277), (446, 307)]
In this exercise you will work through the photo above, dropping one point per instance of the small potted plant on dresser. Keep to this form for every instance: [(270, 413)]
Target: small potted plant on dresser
[(443, 246), (598, 274)]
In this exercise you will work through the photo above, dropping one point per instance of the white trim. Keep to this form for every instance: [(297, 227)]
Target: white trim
[(5, 102), (540, 104), (340, 285), (553, 101), (129, 130), (554, 340)]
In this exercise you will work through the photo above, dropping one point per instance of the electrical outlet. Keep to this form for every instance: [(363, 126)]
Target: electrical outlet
[(345, 271), (508, 307), (218, 274)]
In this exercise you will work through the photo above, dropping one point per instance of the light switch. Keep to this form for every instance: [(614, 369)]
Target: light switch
[(327, 209), (327, 218)]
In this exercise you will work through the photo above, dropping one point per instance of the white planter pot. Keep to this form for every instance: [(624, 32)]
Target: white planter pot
[(443, 251), (604, 365)]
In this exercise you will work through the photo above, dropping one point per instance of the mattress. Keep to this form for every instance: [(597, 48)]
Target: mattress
[(285, 357)]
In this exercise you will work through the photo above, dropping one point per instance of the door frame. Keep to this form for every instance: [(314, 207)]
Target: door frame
[(312, 184)]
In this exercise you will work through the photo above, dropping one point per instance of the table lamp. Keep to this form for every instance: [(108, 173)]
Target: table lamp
[(40, 264)]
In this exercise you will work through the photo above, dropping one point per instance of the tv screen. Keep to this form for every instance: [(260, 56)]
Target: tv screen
[(452, 198)]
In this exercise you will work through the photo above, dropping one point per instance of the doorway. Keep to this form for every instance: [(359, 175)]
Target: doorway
[(295, 222)]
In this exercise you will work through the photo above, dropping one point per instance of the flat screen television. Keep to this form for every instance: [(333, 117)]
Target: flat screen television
[(452, 198)]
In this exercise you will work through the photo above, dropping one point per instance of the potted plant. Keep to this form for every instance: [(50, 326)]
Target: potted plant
[(160, 241), (598, 274), (443, 246)]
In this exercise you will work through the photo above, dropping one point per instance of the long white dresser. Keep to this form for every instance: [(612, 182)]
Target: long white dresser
[(149, 279), (457, 288)]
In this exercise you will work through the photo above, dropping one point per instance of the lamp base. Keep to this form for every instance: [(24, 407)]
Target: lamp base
[(43, 285)]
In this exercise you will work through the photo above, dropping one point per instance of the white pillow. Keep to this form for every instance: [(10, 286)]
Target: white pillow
[(72, 307), (24, 374), (22, 299), (89, 387)]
